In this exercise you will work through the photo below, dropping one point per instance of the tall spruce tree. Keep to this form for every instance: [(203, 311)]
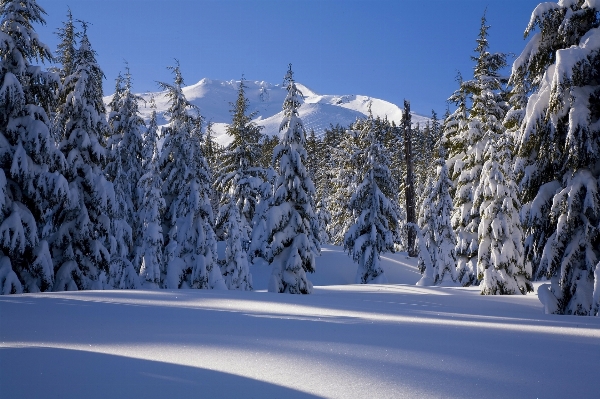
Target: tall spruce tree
[(500, 265), (484, 122), (558, 153), (190, 245), (437, 257), (66, 52), (290, 222), (32, 187), (239, 175), (83, 242), (453, 131), (235, 270), (126, 148), (375, 218), (344, 183), (152, 269)]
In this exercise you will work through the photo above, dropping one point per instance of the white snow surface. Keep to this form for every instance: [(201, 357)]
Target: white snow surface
[(343, 341), (213, 98)]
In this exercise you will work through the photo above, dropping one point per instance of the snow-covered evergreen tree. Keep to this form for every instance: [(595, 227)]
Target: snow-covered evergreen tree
[(500, 265), (191, 247), (437, 259), (236, 271), (453, 130), (484, 121), (83, 242), (344, 183), (150, 139), (152, 269), (324, 218), (239, 176), (290, 222), (121, 274), (66, 51), (375, 218), (558, 152), (126, 148), (32, 188)]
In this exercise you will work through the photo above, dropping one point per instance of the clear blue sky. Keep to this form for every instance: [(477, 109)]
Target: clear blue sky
[(382, 48)]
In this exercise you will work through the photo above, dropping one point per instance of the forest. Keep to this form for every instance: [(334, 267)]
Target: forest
[(498, 192)]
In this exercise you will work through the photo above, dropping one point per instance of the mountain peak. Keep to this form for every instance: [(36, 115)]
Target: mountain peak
[(319, 111)]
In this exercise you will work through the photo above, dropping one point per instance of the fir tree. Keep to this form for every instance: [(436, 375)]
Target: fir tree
[(483, 122), (239, 176), (235, 270), (32, 187), (66, 50), (190, 245), (83, 242), (558, 148), (290, 223), (126, 148), (152, 270), (437, 257), (500, 265), (375, 219), (121, 271), (344, 183), (65, 55), (453, 129)]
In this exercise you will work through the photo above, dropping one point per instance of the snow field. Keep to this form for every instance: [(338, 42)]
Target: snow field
[(213, 97), (344, 341)]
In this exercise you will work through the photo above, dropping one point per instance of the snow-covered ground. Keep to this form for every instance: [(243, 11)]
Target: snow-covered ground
[(344, 341), (213, 98)]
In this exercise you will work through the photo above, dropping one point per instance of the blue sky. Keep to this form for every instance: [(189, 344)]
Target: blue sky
[(386, 49)]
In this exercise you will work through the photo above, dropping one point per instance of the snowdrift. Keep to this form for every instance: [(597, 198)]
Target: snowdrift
[(343, 341)]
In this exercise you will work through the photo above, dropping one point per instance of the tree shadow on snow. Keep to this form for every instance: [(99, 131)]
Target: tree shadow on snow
[(50, 373)]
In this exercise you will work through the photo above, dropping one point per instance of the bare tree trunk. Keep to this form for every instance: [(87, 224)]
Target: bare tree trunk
[(410, 180)]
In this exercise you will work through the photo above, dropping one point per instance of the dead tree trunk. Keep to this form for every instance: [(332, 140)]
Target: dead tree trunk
[(410, 180)]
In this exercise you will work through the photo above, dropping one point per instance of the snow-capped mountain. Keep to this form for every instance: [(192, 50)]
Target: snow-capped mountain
[(213, 98)]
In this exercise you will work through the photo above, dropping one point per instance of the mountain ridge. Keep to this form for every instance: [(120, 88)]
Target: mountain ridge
[(214, 98)]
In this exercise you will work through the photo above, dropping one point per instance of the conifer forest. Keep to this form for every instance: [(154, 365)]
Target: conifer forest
[(498, 191)]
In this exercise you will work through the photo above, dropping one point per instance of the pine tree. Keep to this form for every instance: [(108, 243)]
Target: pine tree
[(437, 257), (375, 219), (558, 148), (453, 129), (126, 147), (152, 270), (122, 273), (344, 183), (190, 245), (66, 51), (236, 271), (318, 171), (239, 176), (83, 242), (32, 187), (290, 223), (65, 55), (500, 265), (483, 123)]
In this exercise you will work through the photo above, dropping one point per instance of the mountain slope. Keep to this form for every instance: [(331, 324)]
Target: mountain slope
[(213, 98)]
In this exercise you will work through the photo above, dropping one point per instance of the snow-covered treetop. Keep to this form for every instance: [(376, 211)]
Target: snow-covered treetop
[(561, 25), (19, 43), (66, 48), (293, 100), (85, 60), (178, 104)]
